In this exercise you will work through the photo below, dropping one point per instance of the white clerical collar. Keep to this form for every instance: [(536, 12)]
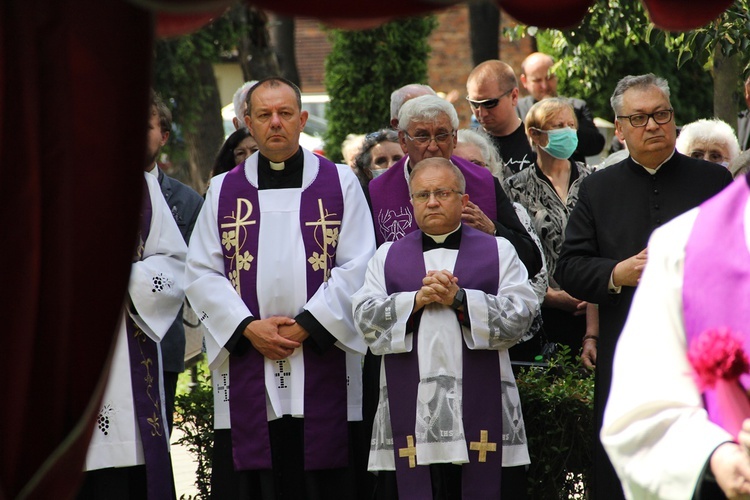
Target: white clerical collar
[(440, 238), (652, 171), (154, 171), (276, 166)]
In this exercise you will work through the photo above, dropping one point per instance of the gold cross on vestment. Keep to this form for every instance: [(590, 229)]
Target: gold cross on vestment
[(410, 451), (330, 235), (240, 220), (483, 446)]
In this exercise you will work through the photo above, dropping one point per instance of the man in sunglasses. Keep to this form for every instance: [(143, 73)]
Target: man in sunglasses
[(493, 95), (539, 80), (603, 254)]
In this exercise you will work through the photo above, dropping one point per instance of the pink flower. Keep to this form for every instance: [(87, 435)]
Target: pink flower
[(717, 354)]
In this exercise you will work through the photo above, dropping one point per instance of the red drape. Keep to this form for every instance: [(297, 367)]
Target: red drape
[(74, 79)]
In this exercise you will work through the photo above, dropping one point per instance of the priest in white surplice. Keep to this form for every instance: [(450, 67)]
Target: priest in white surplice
[(131, 429), (442, 305), (668, 432), (281, 245)]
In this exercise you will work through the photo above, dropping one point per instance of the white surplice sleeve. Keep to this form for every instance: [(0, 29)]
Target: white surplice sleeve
[(156, 286), (380, 318), (656, 430), (210, 293), (498, 321), (331, 305)]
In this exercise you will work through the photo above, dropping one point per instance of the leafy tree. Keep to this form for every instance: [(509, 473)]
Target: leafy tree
[(183, 75), (616, 38), (362, 70)]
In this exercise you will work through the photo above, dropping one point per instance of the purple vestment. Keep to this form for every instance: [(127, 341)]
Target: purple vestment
[(392, 212), (325, 394), (716, 281), (476, 267)]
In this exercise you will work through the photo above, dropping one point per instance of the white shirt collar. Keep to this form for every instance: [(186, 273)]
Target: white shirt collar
[(652, 171)]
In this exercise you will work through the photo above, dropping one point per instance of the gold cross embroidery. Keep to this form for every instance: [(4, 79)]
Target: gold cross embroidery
[(483, 446), (232, 237), (410, 451), (330, 235)]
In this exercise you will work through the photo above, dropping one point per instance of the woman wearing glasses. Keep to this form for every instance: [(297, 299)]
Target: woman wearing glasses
[(380, 150), (549, 191)]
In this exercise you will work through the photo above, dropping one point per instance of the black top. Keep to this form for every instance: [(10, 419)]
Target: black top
[(514, 149)]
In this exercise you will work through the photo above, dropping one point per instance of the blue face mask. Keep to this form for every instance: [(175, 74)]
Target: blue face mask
[(562, 142)]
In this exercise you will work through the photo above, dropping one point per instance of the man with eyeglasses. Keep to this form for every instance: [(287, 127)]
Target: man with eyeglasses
[(604, 254), (442, 305), (539, 80), (428, 130), (492, 91)]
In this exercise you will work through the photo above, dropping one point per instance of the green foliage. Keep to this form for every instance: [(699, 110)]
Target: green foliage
[(195, 419), (362, 70), (557, 404), (616, 39)]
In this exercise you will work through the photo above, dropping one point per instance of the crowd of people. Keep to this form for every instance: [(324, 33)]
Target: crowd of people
[(362, 318)]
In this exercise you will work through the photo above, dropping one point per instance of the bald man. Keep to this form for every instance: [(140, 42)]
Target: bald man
[(540, 81)]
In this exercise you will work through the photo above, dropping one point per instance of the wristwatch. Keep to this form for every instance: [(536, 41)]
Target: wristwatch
[(458, 300)]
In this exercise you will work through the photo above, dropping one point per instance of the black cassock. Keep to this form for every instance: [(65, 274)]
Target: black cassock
[(617, 210)]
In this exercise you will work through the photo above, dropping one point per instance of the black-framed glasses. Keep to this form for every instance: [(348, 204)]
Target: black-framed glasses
[(488, 103), (423, 140), (439, 194), (641, 119)]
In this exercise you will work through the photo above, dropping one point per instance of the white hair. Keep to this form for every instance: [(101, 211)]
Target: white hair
[(711, 131), (426, 108), (239, 98), (403, 94), (480, 139)]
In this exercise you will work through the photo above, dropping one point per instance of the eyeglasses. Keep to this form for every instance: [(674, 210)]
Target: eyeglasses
[(440, 195), (488, 103), (641, 119), (423, 140)]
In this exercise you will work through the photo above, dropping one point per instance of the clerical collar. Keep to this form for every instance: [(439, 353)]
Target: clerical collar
[(289, 176), (448, 240), (652, 171), (292, 163)]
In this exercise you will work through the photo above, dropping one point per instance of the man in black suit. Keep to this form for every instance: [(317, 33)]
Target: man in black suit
[(604, 250), (185, 204), (541, 83)]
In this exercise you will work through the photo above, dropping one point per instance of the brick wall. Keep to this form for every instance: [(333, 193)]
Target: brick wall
[(450, 60)]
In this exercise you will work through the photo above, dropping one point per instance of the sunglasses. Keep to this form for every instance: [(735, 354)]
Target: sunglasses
[(488, 103)]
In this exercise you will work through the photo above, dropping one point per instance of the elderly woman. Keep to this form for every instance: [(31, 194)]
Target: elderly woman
[(711, 140), (475, 145), (379, 151), (549, 191)]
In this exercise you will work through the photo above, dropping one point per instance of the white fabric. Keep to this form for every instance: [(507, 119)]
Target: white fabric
[(497, 322), (656, 431), (281, 286), (116, 441)]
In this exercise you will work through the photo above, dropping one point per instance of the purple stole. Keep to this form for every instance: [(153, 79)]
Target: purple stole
[(717, 274), (477, 268), (392, 212), (325, 394), (145, 373)]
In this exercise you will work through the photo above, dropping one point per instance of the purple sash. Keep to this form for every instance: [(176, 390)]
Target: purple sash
[(392, 212), (145, 374), (325, 403), (716, 279), (482, 391)]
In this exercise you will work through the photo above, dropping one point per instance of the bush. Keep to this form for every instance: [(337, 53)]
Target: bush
[(558, 410), (195, 418)]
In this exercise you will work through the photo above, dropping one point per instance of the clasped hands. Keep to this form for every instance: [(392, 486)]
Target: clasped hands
[(276, 337), (437, 286)]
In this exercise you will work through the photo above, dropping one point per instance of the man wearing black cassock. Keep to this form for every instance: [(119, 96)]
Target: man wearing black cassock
[(604, 250)]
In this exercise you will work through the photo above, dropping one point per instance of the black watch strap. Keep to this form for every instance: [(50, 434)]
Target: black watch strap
[(458, 300)]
